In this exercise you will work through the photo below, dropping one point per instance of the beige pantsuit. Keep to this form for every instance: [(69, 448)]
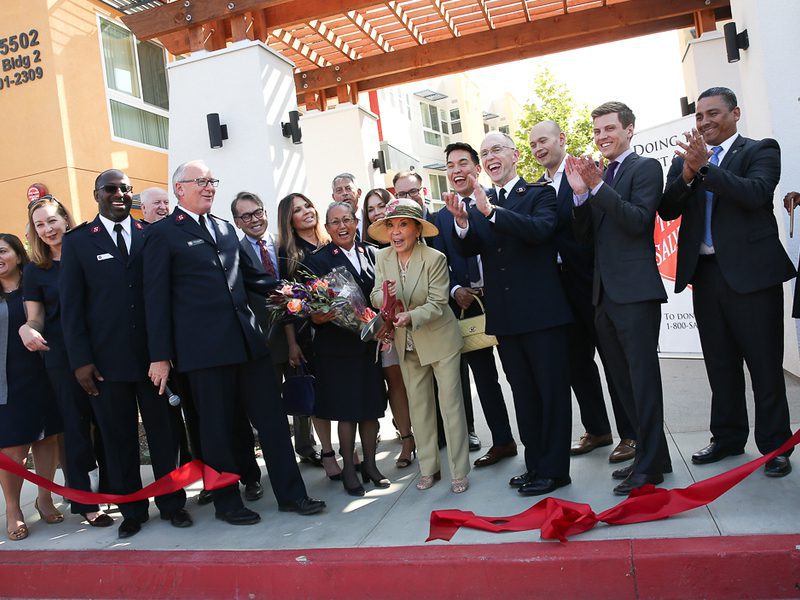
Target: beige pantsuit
[(437, 350)]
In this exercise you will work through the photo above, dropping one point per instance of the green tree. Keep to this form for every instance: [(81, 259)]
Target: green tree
[(552, 101)]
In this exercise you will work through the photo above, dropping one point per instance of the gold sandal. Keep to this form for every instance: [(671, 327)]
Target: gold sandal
[(426, 481), (53, 519), (20, 533)]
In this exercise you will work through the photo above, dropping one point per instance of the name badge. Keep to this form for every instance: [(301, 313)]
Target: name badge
[(104, 256), (191, 243)]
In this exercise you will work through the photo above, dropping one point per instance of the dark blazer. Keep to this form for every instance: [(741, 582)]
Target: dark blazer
[(330, 338), (620, 220), (523, 292), (576, 255), (444, 243), (195, 295), (745, 233), (275, 336), (102, 309)]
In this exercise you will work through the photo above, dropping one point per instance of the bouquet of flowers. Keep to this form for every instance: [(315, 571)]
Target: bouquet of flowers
[(335, 291)]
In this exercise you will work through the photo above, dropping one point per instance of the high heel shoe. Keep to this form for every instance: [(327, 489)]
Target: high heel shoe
[(402, 462), (334, 476), (426, 481), (459, 486), (56, 517), (358, 490), (379, 481)]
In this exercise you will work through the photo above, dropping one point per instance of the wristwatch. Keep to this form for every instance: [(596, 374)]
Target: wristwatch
[(491, 214), (702, 172)]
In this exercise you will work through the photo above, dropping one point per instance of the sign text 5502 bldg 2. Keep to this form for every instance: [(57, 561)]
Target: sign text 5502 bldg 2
[(18, 59)]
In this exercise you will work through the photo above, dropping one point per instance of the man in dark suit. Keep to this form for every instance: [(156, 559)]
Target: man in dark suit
[(102, 309), (511, 228), (576, 268), (722, 184), (467, 284), (617, 210), (260, 249), (198, 318)]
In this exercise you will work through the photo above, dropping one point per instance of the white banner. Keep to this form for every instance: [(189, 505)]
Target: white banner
[(678, 335)]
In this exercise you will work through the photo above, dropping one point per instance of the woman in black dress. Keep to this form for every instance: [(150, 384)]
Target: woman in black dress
[(28, 414), (349, 381), (49, 220), (300, 233), (375, 208)]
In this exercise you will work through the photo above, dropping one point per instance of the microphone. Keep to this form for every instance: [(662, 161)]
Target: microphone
[(172, 398)]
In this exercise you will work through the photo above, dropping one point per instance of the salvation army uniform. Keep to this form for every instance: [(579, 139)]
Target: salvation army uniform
[(102, 309), (198, 318)]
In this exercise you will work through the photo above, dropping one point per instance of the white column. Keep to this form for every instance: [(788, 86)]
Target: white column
[(252, 89)]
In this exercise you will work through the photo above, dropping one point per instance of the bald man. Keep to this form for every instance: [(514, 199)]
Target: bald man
[(155, 204)]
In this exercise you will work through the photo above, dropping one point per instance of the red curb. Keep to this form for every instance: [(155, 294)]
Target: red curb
[(728, 567)]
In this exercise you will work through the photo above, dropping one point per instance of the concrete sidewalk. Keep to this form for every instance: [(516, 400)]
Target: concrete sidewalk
[(399, 516)]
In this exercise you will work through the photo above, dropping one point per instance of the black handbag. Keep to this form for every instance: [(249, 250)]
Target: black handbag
[(298, 391)]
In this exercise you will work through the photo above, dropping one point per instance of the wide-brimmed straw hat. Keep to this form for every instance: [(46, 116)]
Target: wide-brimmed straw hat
[(401, 208)]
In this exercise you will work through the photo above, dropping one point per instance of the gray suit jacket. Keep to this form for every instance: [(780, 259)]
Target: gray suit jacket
[(276, 337), (620, 218)]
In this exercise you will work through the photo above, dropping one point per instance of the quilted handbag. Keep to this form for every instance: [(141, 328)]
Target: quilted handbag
[(298, 392), (473, 330)]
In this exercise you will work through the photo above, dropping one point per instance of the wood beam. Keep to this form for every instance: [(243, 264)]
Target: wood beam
[(445, 15), (216, 35), (577, 25), (299, 47), (527, 10), (359, 21), (704, 21), (260, 29), (334, 40), (174, 16), (485, 11), (405, 21), (522, 52), (242, 27)]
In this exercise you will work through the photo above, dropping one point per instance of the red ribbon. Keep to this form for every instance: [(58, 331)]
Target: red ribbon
[(171, 482), (560, 519)]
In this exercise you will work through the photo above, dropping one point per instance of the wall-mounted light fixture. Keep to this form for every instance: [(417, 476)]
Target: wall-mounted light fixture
[(292, 128), (735, 41), (380, 162), (687, 108), (216, 132)]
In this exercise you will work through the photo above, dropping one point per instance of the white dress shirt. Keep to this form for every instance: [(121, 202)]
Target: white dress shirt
[(196, 218), (273, 256), (126, 230)]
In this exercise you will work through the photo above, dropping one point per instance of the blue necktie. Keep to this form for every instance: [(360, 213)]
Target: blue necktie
[(714, 160), (611, 170)]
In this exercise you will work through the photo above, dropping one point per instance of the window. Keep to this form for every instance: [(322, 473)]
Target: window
[(438, 185), (504, 129), (455, 121), (434, 125), (136, 86)]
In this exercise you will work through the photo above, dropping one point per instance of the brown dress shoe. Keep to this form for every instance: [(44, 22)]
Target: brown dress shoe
[(589, 442), (625, 450), (496, 454)]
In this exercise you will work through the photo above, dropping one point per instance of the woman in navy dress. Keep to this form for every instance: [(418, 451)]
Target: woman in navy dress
[(349, 380), (49, 220), (28, 417)]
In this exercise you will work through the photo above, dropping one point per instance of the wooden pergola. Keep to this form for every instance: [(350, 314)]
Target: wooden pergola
[(343, 47)]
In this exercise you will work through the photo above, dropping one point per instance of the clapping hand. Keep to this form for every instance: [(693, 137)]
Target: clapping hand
[(695, 154), (482, 203), (457, 208)]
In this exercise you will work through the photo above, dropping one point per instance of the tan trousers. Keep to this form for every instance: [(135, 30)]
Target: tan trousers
[(422, 406)]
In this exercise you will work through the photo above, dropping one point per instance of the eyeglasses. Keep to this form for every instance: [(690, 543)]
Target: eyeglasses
[(411, 192), (111, 188), (495, 150), (201, 181), (345, 221), (247, 217)]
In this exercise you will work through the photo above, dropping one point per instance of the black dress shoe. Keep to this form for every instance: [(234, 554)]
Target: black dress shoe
[(543, 485), (129, 527), (778, 467), (180, 518), (253, 491), (474, 441), (101, 520), (520, 480), (304, 506), (636, 480), (714, 452), (205, 497), (311, 457), (239, 516)]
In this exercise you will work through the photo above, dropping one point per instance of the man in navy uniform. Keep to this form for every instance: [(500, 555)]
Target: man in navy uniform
[(102, 307), (576, 268), (511, 228), (199, 319), (467, 284)]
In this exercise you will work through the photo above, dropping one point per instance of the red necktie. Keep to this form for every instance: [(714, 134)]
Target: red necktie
[(265, 259)]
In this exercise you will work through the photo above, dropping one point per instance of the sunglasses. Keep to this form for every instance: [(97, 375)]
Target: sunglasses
[(111, 188)]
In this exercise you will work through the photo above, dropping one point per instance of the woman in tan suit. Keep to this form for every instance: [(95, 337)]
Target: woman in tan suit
[(427, 337)]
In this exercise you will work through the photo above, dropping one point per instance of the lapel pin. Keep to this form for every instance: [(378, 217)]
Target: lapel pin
[(138, 225), (96, 228), (335, 251), (520, 190), (180, 217)]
